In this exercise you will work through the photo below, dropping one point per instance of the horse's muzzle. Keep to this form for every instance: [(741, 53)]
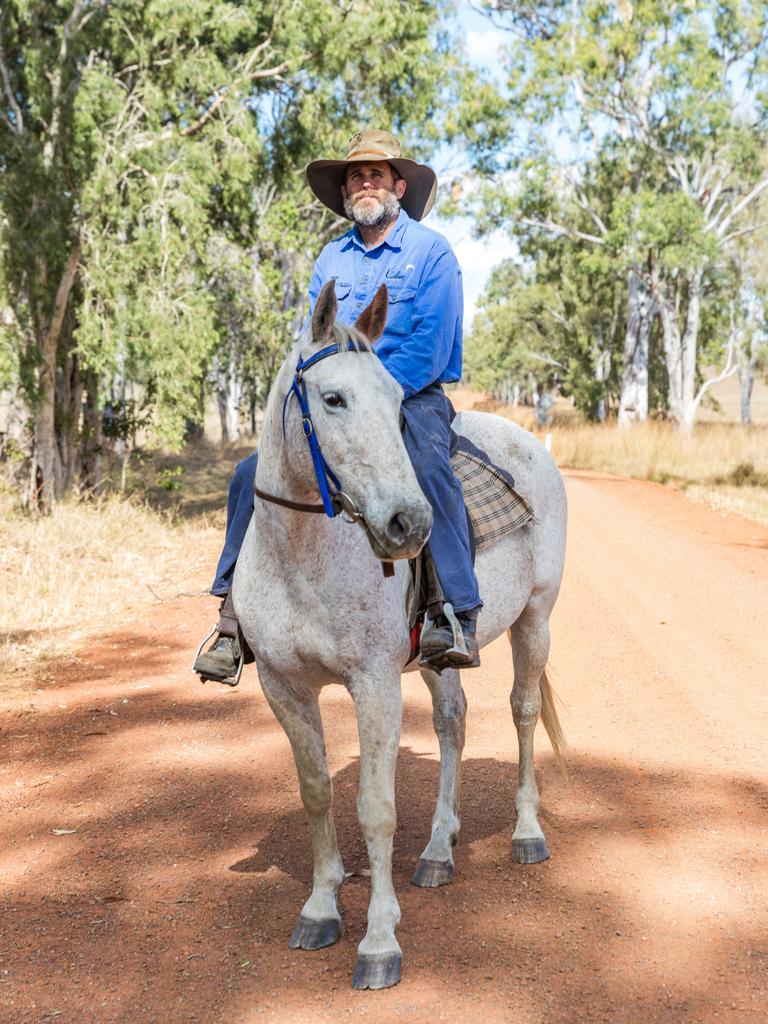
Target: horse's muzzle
[(403, 535)]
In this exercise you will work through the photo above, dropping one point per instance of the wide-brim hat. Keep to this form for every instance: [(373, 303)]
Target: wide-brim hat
[(326, 177)]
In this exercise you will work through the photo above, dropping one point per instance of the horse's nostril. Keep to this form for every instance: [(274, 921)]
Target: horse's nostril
[(399, 528)]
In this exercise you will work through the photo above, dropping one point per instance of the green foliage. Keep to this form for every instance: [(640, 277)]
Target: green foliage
[(546, 327), (170, 479), (164, 142), (639, 143)]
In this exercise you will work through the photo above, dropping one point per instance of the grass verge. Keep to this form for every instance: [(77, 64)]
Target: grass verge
[(723, 464), (91, 565)]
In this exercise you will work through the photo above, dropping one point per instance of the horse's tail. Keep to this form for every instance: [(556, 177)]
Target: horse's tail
[(550, 719), (552, 722)]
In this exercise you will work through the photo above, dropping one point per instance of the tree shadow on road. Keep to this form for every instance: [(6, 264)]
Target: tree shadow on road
[(175, 897)]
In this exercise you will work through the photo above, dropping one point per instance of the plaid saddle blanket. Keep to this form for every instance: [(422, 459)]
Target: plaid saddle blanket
[(494, 506)]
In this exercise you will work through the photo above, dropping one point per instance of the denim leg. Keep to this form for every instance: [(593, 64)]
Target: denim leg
[(427, 436), (239, 512)]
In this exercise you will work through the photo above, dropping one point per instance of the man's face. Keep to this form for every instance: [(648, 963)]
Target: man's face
[(372, 193)]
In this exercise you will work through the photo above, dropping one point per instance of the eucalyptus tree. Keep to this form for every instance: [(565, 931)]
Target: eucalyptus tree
[(679, 89), (554, 322), (141, 142), (747, 315)]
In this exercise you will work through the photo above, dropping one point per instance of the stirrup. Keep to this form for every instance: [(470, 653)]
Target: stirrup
[(229, 680), (454, 655)]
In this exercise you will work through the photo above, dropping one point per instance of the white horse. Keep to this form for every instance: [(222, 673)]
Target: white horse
[(316, 609)]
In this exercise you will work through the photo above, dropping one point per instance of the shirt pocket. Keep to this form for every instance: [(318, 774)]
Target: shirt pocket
[(343, 288), (401, 304)]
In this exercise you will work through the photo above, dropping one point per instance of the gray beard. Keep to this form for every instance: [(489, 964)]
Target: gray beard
[(374, 216)]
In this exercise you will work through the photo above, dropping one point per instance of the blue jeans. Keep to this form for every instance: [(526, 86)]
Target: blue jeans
[(239, 512), (426, 423)]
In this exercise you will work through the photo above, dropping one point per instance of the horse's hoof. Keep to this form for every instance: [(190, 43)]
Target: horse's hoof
[(529, 851), (431, 873), (377, 971), (310, 934)]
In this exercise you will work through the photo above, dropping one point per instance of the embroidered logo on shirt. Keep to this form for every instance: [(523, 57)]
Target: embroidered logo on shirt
[(398, 274)]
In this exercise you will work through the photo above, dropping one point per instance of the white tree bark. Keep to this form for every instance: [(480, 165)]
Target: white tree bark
[(746, 383), (680, 345), (602, 372), (749, 339), (229, 396), (641, 309)]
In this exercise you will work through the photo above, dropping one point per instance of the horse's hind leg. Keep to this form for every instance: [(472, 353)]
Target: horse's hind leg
[(319, 924), (449, 710), (378, 705), (530, 650)]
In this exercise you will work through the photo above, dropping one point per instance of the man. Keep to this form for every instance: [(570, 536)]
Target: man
[(386, 196)]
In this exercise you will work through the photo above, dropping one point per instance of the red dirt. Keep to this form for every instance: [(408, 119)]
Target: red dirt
[(174, 898)]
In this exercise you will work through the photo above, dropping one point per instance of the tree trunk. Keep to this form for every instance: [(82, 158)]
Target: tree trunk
[(45, 428), (69, 402), (746, 381), (680, 349), (92, 437), (602, 372), (747, 360), (633, 402), (44, 468), (229, 393), (690, 343)]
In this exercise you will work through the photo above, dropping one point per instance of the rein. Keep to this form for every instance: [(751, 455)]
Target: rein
[(334, 501)]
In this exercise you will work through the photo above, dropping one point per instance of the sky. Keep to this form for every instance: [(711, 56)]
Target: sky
[(477, 257)]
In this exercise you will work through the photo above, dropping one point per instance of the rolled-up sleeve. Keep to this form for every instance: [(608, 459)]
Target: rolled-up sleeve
[(424, 355)]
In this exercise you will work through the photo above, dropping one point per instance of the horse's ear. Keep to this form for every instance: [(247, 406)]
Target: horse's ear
[(324, 316), (373, 319)]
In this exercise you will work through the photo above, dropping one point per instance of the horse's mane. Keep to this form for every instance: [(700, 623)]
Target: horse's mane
[(343, 334)]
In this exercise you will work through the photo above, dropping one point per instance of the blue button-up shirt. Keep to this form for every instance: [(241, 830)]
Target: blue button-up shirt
[(421, 342)]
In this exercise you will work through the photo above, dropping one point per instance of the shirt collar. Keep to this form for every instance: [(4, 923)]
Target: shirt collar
[(394, 239)]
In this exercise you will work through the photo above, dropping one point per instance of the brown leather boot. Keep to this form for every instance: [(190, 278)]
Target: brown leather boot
[(224, 659), (449, 641)]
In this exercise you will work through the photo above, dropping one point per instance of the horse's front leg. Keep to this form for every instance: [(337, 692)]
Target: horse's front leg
[(378, 703), (449, 711), (319, 924)]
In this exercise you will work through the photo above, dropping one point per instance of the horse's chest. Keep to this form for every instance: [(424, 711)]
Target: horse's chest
[(318, 623)]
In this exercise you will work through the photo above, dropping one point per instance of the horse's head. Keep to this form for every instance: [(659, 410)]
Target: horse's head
[(355, 415)]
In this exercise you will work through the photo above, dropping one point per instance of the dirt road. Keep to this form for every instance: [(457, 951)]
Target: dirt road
[(183, 861)]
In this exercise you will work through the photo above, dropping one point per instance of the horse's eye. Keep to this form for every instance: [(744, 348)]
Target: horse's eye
[(334, 400)]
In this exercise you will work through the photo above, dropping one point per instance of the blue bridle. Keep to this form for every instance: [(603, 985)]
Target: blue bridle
[(334, 499)]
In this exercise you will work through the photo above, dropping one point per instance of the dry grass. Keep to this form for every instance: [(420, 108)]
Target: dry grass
[(90, 565), (723, 464), (87, 567)]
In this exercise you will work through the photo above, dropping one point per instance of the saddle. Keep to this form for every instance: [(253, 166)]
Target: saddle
[(494, 509)]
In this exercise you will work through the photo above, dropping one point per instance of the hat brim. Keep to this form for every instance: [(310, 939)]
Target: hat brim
[(325, 178)]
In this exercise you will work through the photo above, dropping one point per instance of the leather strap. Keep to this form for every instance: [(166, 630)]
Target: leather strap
[(297, 506), (387, 567), (227, 618)]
